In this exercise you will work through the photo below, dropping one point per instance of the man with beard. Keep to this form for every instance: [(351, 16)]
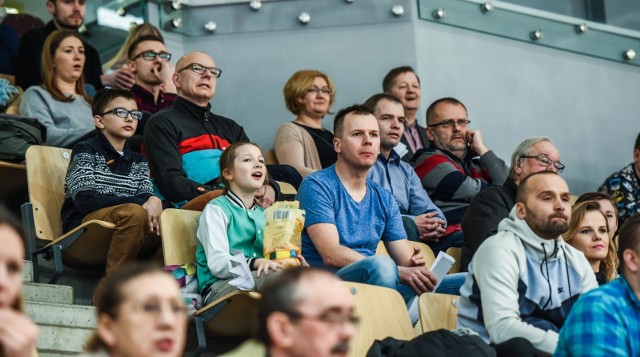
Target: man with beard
[(458, 165), (306, 312), (524, 279), (66, 15)]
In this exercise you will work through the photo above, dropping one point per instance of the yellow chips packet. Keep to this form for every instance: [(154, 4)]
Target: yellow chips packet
[(282, 232)]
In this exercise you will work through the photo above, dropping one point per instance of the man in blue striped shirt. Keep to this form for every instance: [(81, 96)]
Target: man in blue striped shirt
[(606, 321)]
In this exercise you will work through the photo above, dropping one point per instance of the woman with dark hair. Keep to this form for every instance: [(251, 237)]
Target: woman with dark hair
[(304, 143), (140, 312), (17, 333), (589, 233), (61, 102)]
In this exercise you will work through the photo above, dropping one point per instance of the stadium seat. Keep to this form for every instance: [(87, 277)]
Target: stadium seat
[(86, 245), (231, 316)]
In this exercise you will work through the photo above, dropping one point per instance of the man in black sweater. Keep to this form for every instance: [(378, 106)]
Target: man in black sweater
[(492, 205), (183, 144)]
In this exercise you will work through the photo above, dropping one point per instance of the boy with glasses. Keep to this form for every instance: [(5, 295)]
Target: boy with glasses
[(107, 181), (152, 71), (458, 164)]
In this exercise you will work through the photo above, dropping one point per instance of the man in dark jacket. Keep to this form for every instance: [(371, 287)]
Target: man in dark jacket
[(492, 205), (183, 144)]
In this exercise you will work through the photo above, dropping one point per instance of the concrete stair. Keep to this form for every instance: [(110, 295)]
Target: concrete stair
[(64, 327)]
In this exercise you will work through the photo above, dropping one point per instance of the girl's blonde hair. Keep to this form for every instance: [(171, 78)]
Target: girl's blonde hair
[(226, 161), (609, 264)]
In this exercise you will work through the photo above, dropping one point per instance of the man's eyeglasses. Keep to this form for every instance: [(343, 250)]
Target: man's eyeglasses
[(450, 122), (150, 56), (124, 113), (331, 318), (545, 161), (199, 69), (316, 90)]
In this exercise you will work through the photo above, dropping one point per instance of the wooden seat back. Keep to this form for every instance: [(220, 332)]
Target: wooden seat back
[(382, 313), (438, 311), (46, 171), (179, 240)]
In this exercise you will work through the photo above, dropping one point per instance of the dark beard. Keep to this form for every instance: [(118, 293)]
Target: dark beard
[(554, 229)]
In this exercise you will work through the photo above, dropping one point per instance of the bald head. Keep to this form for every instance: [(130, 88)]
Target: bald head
[(198, 88)]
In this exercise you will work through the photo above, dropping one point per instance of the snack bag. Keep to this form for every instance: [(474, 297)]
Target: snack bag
[(282, 233)]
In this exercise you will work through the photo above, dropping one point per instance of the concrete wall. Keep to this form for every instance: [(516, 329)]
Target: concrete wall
[(513, 90)]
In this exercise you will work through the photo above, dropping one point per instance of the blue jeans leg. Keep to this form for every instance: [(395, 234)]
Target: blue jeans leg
[(451, 284), (376, 270)]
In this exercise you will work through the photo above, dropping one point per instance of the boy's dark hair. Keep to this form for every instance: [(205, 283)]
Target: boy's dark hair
[(106, 96), (338, 122), (373, 101), (139, 40), (390, 79), (637, 146)]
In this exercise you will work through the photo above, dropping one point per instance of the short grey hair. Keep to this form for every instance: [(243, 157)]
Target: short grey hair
[(524, 149)]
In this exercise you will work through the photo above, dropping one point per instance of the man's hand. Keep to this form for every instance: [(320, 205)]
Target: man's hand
[(153, 206), (430, 227), (419, 278), (164, 72), (265, 196), (475, 142), (122, 78), (18, 334)]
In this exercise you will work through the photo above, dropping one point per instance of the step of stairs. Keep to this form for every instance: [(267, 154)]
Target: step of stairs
[(64, 328), (55, 294)]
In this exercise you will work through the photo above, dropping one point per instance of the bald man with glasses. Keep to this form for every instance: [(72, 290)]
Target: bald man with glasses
[(458, 164), (183, 144)]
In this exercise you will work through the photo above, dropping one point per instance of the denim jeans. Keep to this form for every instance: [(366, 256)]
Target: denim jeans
[(383, 271)]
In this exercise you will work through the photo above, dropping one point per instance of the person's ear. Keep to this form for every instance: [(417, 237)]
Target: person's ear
[(521, 211), (106, 330), (429, 133), (280, 330), (227, 175), (631, 260), (98, 121), (336, 145), (51, 7), (176, 80), (518, 168)]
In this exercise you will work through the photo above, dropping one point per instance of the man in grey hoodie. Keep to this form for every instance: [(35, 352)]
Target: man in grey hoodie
[(523, 280)]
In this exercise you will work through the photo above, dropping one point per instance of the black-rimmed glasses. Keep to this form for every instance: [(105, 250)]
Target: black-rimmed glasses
[(331, 318), (150, 56), (450, 122), (545, 161), (124, 113), (199, 69)]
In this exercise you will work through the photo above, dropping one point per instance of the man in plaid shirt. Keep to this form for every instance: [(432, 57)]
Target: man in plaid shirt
[(606, 321)]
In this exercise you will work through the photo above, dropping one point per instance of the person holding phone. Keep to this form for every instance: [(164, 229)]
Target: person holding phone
[(458, 164)]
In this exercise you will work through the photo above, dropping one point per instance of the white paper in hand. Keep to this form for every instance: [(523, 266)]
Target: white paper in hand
[(242, 278), (441, 266)]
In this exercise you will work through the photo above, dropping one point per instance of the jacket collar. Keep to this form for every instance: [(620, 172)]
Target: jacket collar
[(127, 153), (541, 248), (193, 109)]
